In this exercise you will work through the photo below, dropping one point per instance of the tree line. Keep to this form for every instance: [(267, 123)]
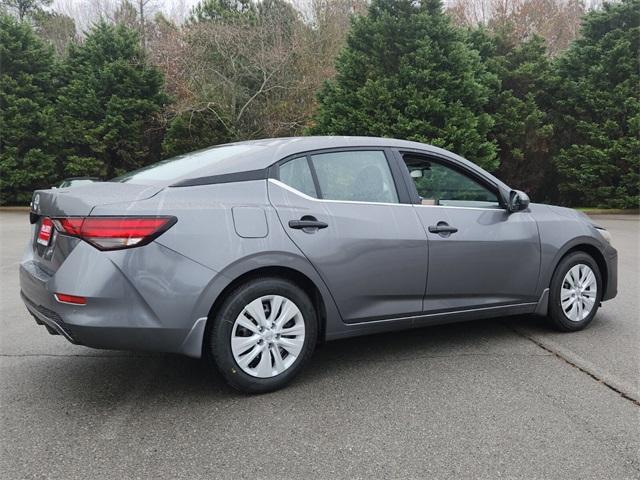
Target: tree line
[(554, 113)]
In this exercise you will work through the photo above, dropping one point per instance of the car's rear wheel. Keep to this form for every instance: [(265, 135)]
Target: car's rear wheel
[(575, 292), (263, 335)]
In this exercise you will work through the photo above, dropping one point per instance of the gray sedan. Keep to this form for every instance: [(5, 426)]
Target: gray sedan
[(250, 254)]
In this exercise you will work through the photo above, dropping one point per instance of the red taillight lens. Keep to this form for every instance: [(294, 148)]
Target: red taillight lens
[(72, 299), (70, 226), (113, 233)]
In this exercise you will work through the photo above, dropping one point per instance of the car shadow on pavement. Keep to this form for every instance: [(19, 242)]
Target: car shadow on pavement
[(103, 379)]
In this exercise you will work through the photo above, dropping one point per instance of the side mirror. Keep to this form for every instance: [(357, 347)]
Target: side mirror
[(517, 201), (416, 173)]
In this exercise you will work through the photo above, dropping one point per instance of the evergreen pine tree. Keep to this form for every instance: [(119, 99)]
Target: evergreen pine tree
[(27, 120), (598, 110), (522, 130), (407, 72), (109, 104)]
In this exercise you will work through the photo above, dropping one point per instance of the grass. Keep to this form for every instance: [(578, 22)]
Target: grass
[(608, 211), (14, 208)]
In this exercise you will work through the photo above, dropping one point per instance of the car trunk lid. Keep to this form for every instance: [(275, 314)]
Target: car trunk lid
[(79, 201), (49, 247)]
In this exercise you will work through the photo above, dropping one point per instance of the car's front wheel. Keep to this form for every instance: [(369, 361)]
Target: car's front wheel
[(263, 334), (575, 292)]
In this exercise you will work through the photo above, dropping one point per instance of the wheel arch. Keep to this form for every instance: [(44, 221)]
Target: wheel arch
[(597, 256), (287, 273), (589, 248), (283, 265)]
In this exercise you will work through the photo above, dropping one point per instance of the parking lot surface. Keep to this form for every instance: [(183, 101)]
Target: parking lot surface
[(503, 398)]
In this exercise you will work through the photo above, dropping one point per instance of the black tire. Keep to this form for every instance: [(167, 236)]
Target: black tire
[(556, 314), (219, 340)]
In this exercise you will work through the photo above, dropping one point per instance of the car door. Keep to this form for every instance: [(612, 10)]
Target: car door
[(480, 255), (345, 213)]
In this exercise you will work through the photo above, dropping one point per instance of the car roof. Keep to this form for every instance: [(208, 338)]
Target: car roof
[(270, 150), (250, 160)]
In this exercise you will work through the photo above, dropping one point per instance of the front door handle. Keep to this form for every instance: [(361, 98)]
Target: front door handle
[(442, 228), (307, 222)]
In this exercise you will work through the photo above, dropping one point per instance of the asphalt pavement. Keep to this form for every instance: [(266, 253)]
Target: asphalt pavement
[(503, 398)]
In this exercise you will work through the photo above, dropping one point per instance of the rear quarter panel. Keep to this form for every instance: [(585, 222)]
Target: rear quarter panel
[(209, 234)]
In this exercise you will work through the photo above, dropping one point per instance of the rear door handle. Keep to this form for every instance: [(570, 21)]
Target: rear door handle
[(442, 228), (307, 222)]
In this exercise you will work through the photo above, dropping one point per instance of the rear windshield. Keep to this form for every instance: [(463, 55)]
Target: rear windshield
[(181, 166)]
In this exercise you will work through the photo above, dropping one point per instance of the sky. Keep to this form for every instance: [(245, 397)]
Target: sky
[(85, 12)]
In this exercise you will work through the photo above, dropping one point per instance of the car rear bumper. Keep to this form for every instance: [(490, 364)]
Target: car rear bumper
[(50, 319), (123, 311), (95, 326)]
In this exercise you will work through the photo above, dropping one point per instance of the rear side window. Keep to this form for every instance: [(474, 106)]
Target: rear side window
[(362, 176), (297, 174)]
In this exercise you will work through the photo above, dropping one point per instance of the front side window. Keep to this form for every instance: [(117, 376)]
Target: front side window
[(438, 184), (297, 174), (361, 176)]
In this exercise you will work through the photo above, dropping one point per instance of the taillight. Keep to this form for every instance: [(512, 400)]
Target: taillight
[(114, 233)]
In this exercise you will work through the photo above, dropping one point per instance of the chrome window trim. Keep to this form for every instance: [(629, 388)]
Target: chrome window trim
[(307, 197), (490, 209)]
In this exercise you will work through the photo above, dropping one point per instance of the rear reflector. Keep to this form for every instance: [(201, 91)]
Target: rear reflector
[(114, 233), (72, 299)]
